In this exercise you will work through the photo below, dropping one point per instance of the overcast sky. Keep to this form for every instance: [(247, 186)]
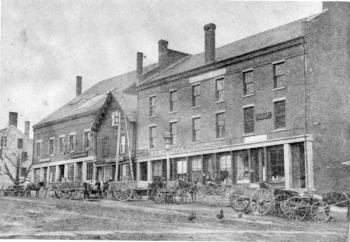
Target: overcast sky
[(45, 44)]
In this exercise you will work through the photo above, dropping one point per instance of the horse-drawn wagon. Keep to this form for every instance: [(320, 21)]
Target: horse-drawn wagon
[(76, 190), (126, 190)]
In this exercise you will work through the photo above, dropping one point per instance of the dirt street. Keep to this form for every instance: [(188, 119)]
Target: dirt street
[(143, 220)]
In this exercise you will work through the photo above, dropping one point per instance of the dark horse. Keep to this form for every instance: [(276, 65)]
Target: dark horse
[(93, 188), (28, 187)]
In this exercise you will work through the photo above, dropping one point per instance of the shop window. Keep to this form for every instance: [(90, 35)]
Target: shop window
[(157, 169), (242, 167), (181, 169), (89, 171), (225, 169), (196, 169), (79, 171), (99, 173), (70, 172), (257, 165), (276, 155)]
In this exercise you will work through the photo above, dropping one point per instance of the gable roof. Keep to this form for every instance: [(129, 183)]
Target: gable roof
[(252, 43), (93, 99)]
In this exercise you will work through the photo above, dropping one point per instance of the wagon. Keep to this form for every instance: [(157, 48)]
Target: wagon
[(126, 190), (67, 190)]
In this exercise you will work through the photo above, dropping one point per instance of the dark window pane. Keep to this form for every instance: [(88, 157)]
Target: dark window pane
[(249, 120)]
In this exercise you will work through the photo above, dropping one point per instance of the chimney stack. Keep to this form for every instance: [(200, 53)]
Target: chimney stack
[(209, 42), (13, 118), (139, 63), (26, 128), (162, 53), (79, 85)]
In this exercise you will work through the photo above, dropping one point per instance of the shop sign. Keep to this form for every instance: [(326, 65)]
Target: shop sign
[(79, 154), (262, 116)]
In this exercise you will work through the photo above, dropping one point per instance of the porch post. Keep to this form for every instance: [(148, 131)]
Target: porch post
[(167, 167), (57, 174), (65, 171), (287, 165), (149, 171), (309, 166)]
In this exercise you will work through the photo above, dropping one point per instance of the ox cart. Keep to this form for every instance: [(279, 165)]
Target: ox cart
[(126, 190)]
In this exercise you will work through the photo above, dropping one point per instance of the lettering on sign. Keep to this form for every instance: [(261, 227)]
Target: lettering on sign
[(79, 154), (262, 116)]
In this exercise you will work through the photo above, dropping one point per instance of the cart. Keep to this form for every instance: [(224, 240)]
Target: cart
[(67, 190), (212, 194), (126, 190)]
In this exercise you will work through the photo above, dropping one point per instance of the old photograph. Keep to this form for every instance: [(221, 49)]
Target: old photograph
[(175, 120)]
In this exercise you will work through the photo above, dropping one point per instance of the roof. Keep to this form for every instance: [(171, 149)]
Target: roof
[(93, 99), (255, 42)]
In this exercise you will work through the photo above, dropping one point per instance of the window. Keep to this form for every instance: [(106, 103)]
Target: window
[(152, 136), (248, 120), (181, 169), (157, 169), (20, 143), (23, 171), (196, 173), (173, 101), (122, 148), (72, 142), (225, 169), (3, 142), (38, 148), (196, 128), (61, 144), (248, 83), (219, 89), (125, 172), (242, 167), (152, 106), (24, 156), (52, 174), (51, 146), (87, 139), (280, 114), (89, 170), (220, 125), (277, 163), (105, 146), (278, 75), (196, 94), (115, 118), (173, 133), (71, 172)]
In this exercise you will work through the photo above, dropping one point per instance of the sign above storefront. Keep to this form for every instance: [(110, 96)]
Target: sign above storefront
[(79, 154), (261, 116)]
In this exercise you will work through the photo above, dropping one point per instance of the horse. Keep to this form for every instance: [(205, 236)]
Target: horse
[(93, 187), (30, 186)]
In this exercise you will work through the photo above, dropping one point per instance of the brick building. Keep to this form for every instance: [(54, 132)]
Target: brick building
[(271, 107), (78, 141), (15, 151)]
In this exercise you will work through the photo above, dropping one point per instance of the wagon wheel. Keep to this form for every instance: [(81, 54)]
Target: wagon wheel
[(158, 197), (279, 204), (320, 211), (295, 208), (78, 194), (116, 195), (261, 201), (239, 204)]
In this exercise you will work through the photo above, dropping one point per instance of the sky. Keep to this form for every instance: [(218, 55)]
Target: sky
[(45, 44)]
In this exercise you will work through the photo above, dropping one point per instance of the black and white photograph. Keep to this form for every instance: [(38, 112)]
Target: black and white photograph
[(175, 120)]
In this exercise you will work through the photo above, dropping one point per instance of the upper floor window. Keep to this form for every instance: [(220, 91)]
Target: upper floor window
[(219, 89), (72, 142), (173, 100), (20, 143), (220, 125), (278, 75), (61, 144), (87, 139), (280, 114), (115, 118), (24, 156), (248, 119), (51, 146), (152, 106), (3, 141), (152, 136), (38, 148), (173, 133), (248, 83), (105, 146), (196, 94), (196, 128), (122, 149)]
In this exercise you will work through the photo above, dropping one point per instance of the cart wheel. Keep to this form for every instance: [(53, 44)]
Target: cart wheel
[(279, 204), (117, 195), (261, 201), (239, 204), (320, 211), (295, 208), (158, 197), (78, 194)]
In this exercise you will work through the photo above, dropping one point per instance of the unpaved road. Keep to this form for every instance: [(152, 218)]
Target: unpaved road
[(143, 220)]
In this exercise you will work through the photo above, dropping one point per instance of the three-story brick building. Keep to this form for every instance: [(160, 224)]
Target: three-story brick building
[(272, 107)]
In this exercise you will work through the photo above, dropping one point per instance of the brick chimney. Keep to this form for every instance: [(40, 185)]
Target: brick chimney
[(79, 85), (139, 63), (13, 118), (26, 128), (209, 42), (162, 53)]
